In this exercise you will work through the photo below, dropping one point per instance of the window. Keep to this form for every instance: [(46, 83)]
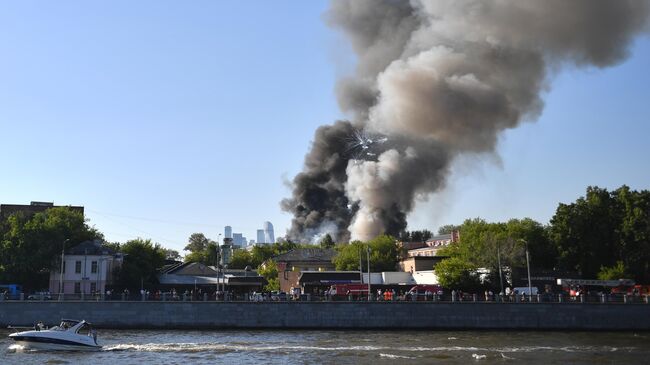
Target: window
[(77, 267), (93, 287), (93, 267), (77, 286)]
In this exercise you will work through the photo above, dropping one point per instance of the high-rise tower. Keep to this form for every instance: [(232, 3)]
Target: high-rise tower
[(227, 232), (269, 236), (260, 236)]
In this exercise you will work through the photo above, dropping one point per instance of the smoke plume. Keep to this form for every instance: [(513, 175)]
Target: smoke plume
[(437, 79)]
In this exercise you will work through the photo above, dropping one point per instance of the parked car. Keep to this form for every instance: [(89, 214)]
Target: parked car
[(41, 295), (278, 296), (256, 297)]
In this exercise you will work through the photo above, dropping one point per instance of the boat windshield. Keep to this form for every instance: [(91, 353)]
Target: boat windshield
[(86, 329), (65, 325)]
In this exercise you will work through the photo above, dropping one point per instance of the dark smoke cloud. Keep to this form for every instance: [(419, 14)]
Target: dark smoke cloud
[(441, 78), (319, 203)]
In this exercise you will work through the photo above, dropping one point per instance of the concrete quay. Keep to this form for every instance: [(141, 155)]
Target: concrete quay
[(334, 315)]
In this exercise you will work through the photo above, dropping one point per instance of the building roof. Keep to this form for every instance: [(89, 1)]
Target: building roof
[(412, 245), (34, 207), (440, 237), (329, 277), (422, 258), (426, 249), (189, 273), (189, 269), (307, 255), (90, 248)]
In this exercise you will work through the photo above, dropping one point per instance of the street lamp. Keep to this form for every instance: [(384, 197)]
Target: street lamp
[(368, 257), (218, 262), (62, 262), (500, 270), (530, 287)]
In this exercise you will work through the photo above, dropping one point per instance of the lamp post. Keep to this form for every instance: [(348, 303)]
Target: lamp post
[(368, 257), (530, 287), (218, 261), (360, 266), (499, 263), (62, 262)]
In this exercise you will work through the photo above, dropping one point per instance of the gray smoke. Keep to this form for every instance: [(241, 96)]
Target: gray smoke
[(441, 78)]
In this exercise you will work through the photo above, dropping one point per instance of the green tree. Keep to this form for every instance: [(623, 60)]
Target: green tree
[(415, 236), (618, 271), (142, 260), (448, 228), (347, 258), (115, 246), (483, 245), (421, 236), (197, 242), (327, 242), (602, 228), (585, 233), (634, 231), (172, 254), (270, 272), (240, 259), (383, 254), (457, 273), (31, 246), (198, 256), (261, 253)]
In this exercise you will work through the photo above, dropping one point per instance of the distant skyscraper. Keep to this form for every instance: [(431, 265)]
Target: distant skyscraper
[(260, 236), (269, 236), (251, 242), (227, 232), (238, 239)]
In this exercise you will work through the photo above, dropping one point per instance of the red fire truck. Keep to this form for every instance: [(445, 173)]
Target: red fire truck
[(343, 291)]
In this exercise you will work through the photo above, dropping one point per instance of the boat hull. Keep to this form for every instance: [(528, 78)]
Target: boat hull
[(52, 344)]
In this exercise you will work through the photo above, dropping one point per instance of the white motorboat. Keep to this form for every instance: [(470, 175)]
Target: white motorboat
[(70, 335)]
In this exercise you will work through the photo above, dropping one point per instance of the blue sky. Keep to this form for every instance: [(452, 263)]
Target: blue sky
[(165, 118)]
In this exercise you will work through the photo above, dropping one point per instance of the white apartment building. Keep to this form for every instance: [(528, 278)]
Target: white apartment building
[(87, 268)]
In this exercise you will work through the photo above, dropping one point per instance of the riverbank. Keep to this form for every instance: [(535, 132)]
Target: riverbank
[(334, 315)]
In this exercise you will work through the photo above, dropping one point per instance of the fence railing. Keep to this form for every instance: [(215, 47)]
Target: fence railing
[(282, 297)]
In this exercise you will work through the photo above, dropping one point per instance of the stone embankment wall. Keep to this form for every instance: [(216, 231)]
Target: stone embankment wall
[(333, 315)]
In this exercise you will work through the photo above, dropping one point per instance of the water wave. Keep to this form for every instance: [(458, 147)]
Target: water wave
[(563, 349), (392, 356), (383, 350), (15, 348), (197, 347)]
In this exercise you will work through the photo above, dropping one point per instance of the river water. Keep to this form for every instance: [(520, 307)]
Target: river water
[(347, 347)]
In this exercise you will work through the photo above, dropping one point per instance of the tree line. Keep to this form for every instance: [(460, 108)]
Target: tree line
[(604, 234), (30, 247)]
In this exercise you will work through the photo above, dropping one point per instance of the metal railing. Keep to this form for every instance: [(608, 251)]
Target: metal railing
[(267, 297)]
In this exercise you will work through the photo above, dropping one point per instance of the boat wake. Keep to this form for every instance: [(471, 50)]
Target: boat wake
[(382, 350), (15, 348)]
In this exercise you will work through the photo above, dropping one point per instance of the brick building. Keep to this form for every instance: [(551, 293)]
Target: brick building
[(34, 207)]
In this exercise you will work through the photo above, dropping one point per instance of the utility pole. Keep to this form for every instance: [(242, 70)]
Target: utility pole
[(368, 257), (219, 267), (62, 262), (360, 267), (499, 263), (530, 287)]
